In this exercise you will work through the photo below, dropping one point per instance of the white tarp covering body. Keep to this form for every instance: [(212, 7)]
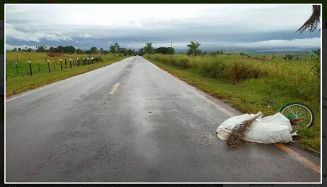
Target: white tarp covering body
[(270, 129)]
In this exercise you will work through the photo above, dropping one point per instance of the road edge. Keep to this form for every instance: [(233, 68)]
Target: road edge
[(291, 152), (12, 97)]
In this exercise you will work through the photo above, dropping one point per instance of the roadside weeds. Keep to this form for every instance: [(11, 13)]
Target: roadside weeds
[(247, 97)]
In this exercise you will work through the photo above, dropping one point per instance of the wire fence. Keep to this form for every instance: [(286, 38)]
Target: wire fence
[(16, 69)]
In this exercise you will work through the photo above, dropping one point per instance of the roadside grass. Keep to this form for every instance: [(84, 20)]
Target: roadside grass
[(275, 83), (41, 76)]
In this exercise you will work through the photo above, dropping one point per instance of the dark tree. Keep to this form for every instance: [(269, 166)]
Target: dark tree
[(60, 49), (165, 50), (113, 49), (141, 51), (162, 50), (148, 49), (40, 49), (170, 51), (314, 20), (79, 51), (93, 50), (105, 52), (52, 49), (69, 49)]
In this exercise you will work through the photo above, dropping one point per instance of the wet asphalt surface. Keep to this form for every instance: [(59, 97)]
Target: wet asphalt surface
[(151, 128)]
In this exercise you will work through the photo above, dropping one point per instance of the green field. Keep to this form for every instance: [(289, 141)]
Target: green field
[(40, 70), (253, 83)]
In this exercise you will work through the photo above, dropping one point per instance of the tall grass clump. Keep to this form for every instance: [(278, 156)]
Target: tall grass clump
[(297, 78), (240, 71), (234, 69), (212, 67)]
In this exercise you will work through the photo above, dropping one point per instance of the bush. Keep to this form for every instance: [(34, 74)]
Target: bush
[(288, 56), (98, 58)]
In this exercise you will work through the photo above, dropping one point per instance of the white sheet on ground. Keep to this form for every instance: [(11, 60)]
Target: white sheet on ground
[(270, 129)]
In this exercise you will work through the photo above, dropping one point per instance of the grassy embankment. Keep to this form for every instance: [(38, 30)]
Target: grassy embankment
[(252, 84), (23, 82)]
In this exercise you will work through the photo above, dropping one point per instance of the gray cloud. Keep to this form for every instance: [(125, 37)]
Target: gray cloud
[(296, 43), (32, 35), (215, 26)]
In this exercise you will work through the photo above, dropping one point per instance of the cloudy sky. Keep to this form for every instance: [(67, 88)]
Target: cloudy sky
[(217, 27)]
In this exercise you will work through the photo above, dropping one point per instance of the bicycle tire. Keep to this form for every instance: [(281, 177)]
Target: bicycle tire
[(293, 108)]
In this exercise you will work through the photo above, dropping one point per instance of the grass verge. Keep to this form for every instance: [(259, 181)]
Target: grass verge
[(17, 84), (249, 96)]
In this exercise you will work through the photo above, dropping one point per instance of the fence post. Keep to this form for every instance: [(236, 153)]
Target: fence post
[(17, 69), (92, 60), (70, 62), (49, 66), (60, 64), (77, 62), (17, 66), (29, 62)]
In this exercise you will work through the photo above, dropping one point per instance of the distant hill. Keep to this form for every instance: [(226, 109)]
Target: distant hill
[(255, 51)]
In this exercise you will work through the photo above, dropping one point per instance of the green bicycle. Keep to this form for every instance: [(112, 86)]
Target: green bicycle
[(300, 115)]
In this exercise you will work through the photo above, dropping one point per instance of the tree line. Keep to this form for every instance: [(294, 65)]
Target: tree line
[(149, 49), (72, 49), (114, 49), (62, 49), (193, 49)]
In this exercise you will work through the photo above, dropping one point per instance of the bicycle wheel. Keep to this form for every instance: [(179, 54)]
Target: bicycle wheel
[(300, 113)]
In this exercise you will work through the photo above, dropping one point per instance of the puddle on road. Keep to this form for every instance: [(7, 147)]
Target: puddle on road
[(198, 134), (144, 142), (143, 114)]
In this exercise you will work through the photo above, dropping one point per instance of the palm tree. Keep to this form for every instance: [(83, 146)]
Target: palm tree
[(148, 48), (313, 21), (193, 48)]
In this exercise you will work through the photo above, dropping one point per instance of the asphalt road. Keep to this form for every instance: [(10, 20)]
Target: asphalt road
[(132, 122)]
